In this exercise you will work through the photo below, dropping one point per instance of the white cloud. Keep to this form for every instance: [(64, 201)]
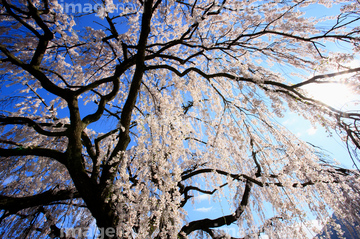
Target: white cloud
[(202, 197), (203, 209), (311, 131)]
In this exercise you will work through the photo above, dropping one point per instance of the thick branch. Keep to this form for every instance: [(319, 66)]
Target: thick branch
[(15, 204), (18, 18), (129, 105), (104, 99), (205, 224), (317, 77), (39, 75), (243, 177), (35, 151), (43, 40), (30, 123)]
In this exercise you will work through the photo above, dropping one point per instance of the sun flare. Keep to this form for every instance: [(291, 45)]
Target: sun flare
[(335, 95), (340, 94)]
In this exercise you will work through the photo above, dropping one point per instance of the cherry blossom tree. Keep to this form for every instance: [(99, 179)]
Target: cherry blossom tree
[(119, 113)]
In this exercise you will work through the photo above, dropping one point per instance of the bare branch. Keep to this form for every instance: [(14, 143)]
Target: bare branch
[(34, 151), (29, 122)]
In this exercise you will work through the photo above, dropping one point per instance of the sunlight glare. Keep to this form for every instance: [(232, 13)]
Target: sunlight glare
[(335, 95), (339, 95)]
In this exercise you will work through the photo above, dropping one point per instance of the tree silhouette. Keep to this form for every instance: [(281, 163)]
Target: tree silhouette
[(119, 114)]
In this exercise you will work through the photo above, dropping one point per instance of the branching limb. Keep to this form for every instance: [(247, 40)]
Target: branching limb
[(206, 224), (318, 77), (39, 75), (35, 151), (244, 177), (30, 123), (9, 8), (253, 154), (14, 204), (185, 192), (129, 105), (104, 99), (89, 147), (43, 40)]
